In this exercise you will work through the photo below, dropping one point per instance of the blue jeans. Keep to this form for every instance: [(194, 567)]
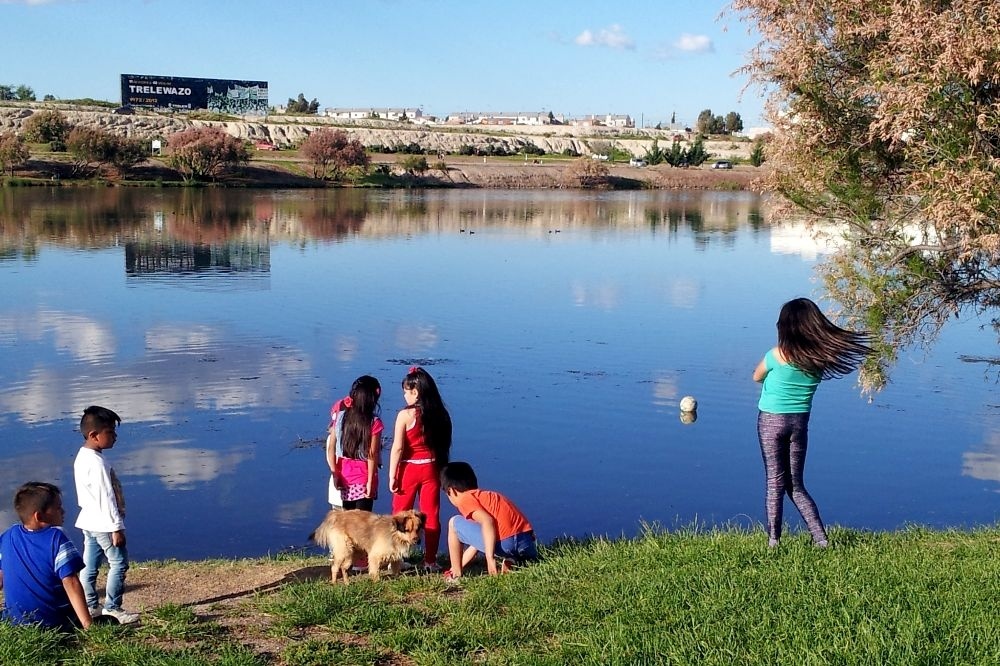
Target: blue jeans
[(520, 547), (97, 547)]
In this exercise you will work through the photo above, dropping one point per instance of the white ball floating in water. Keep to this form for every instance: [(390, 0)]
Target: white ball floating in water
[(688, 404)]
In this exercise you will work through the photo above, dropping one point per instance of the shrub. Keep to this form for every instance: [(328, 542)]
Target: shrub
[(205, 152), (331, 152), (586, 172), (46, 126), (414, 164), (13, 152)]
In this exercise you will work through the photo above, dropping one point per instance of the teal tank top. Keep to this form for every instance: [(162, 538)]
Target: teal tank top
[(786, 390)]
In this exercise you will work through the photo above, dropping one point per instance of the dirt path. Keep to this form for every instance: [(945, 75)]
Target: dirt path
[(204, 585)]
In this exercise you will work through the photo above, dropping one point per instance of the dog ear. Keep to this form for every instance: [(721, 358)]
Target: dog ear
[(399, 522)]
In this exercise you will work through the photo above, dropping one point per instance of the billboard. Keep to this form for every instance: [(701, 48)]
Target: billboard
[(187, 94)]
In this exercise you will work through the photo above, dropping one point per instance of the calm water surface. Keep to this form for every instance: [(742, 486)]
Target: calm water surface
[(562, 327)]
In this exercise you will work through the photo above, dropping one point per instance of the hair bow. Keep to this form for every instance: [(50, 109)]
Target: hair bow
[(413, 369), (347, 402)]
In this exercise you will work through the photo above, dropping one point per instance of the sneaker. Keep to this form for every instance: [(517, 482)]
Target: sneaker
[(772, 543), (122, 615), (507, 565), (406, 566), (431, 568), (95, 611), (359, 568), (450, 579), (821, 544)]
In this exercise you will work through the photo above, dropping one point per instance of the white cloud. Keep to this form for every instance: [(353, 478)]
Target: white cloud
[(612, 37), (694, 43)]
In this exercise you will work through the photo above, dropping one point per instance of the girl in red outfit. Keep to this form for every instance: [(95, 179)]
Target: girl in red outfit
[(420, 445)]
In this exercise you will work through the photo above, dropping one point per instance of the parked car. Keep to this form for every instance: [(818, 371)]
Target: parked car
[(636, 162), (722, 164)]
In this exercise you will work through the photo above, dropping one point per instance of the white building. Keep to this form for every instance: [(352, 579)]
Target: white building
[(362, 113)]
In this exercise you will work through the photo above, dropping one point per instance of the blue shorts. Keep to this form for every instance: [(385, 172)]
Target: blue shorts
[(520, 547)]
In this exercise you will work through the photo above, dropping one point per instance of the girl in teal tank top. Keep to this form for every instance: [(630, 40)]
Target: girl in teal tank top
[(810, 348)]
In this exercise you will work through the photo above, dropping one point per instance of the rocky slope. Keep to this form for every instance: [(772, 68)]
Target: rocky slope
[(287, 131)]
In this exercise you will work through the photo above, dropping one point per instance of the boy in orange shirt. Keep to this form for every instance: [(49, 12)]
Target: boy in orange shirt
[(489, 523)]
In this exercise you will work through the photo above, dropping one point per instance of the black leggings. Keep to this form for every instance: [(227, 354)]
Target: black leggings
[(783, 441), (365, 504)]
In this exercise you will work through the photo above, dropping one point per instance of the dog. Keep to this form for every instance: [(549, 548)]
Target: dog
[(386, 539)]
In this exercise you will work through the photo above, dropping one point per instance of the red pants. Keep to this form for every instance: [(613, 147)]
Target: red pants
[(422, 480)]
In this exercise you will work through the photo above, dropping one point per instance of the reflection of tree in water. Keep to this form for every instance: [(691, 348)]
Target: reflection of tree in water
[(107, 217), (332, 218)]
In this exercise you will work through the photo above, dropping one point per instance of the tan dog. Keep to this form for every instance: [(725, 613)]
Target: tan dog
[(386, 539)]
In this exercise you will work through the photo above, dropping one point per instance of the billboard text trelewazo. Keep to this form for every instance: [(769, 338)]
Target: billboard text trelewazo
[(187, 94)]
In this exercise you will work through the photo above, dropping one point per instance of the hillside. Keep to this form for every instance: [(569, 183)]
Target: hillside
[(447, 141)]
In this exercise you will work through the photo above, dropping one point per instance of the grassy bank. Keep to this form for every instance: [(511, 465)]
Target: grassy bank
[(911, 597)]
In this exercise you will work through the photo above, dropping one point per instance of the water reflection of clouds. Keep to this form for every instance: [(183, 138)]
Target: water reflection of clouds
[(683, 293), (984, 465), (82, 338), (183, 368), (603, 296), (665, 390), (797, 238), (346, 348), (180, 467), (294, 513), (416, 338)]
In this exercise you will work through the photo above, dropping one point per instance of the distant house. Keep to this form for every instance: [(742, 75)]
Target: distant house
[(612, 120), (586, 121), (361, 113), (499, 118)]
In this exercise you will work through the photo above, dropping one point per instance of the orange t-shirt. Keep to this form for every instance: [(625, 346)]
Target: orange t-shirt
[(508, 517)]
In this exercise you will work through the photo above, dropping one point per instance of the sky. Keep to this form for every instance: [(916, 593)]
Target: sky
[(650, 59)]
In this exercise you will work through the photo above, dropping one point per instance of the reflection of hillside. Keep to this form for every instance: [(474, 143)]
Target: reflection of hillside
[(214, 218)]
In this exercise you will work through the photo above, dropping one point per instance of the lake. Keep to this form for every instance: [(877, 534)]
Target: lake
[(563, 328)]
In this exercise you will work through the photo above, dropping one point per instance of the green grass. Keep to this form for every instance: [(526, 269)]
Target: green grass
[(691, 597)]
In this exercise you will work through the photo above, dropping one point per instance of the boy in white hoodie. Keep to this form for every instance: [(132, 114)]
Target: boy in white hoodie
[(102, 513)]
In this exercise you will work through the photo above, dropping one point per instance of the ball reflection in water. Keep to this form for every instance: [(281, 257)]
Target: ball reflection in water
[(687, 418)]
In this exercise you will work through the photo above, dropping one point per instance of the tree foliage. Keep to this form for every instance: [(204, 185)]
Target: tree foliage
[(205, 152), (888, 117), (734, 123), (46, 127), (332, 152), (757, 156), (656, 155), (90, 147), (414, 164), (13, 152), (94, 147), (301, 105)]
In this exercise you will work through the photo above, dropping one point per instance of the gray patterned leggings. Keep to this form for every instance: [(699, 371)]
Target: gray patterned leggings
[(783, 440)]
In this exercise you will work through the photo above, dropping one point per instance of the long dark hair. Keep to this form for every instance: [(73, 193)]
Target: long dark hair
[(814, 344), (433, 414), (357, 430)]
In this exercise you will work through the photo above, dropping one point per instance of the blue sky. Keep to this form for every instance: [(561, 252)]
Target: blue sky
[(646, 58)]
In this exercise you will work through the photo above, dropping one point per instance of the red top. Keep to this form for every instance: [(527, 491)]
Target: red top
[(414, 445), (508, 517)]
